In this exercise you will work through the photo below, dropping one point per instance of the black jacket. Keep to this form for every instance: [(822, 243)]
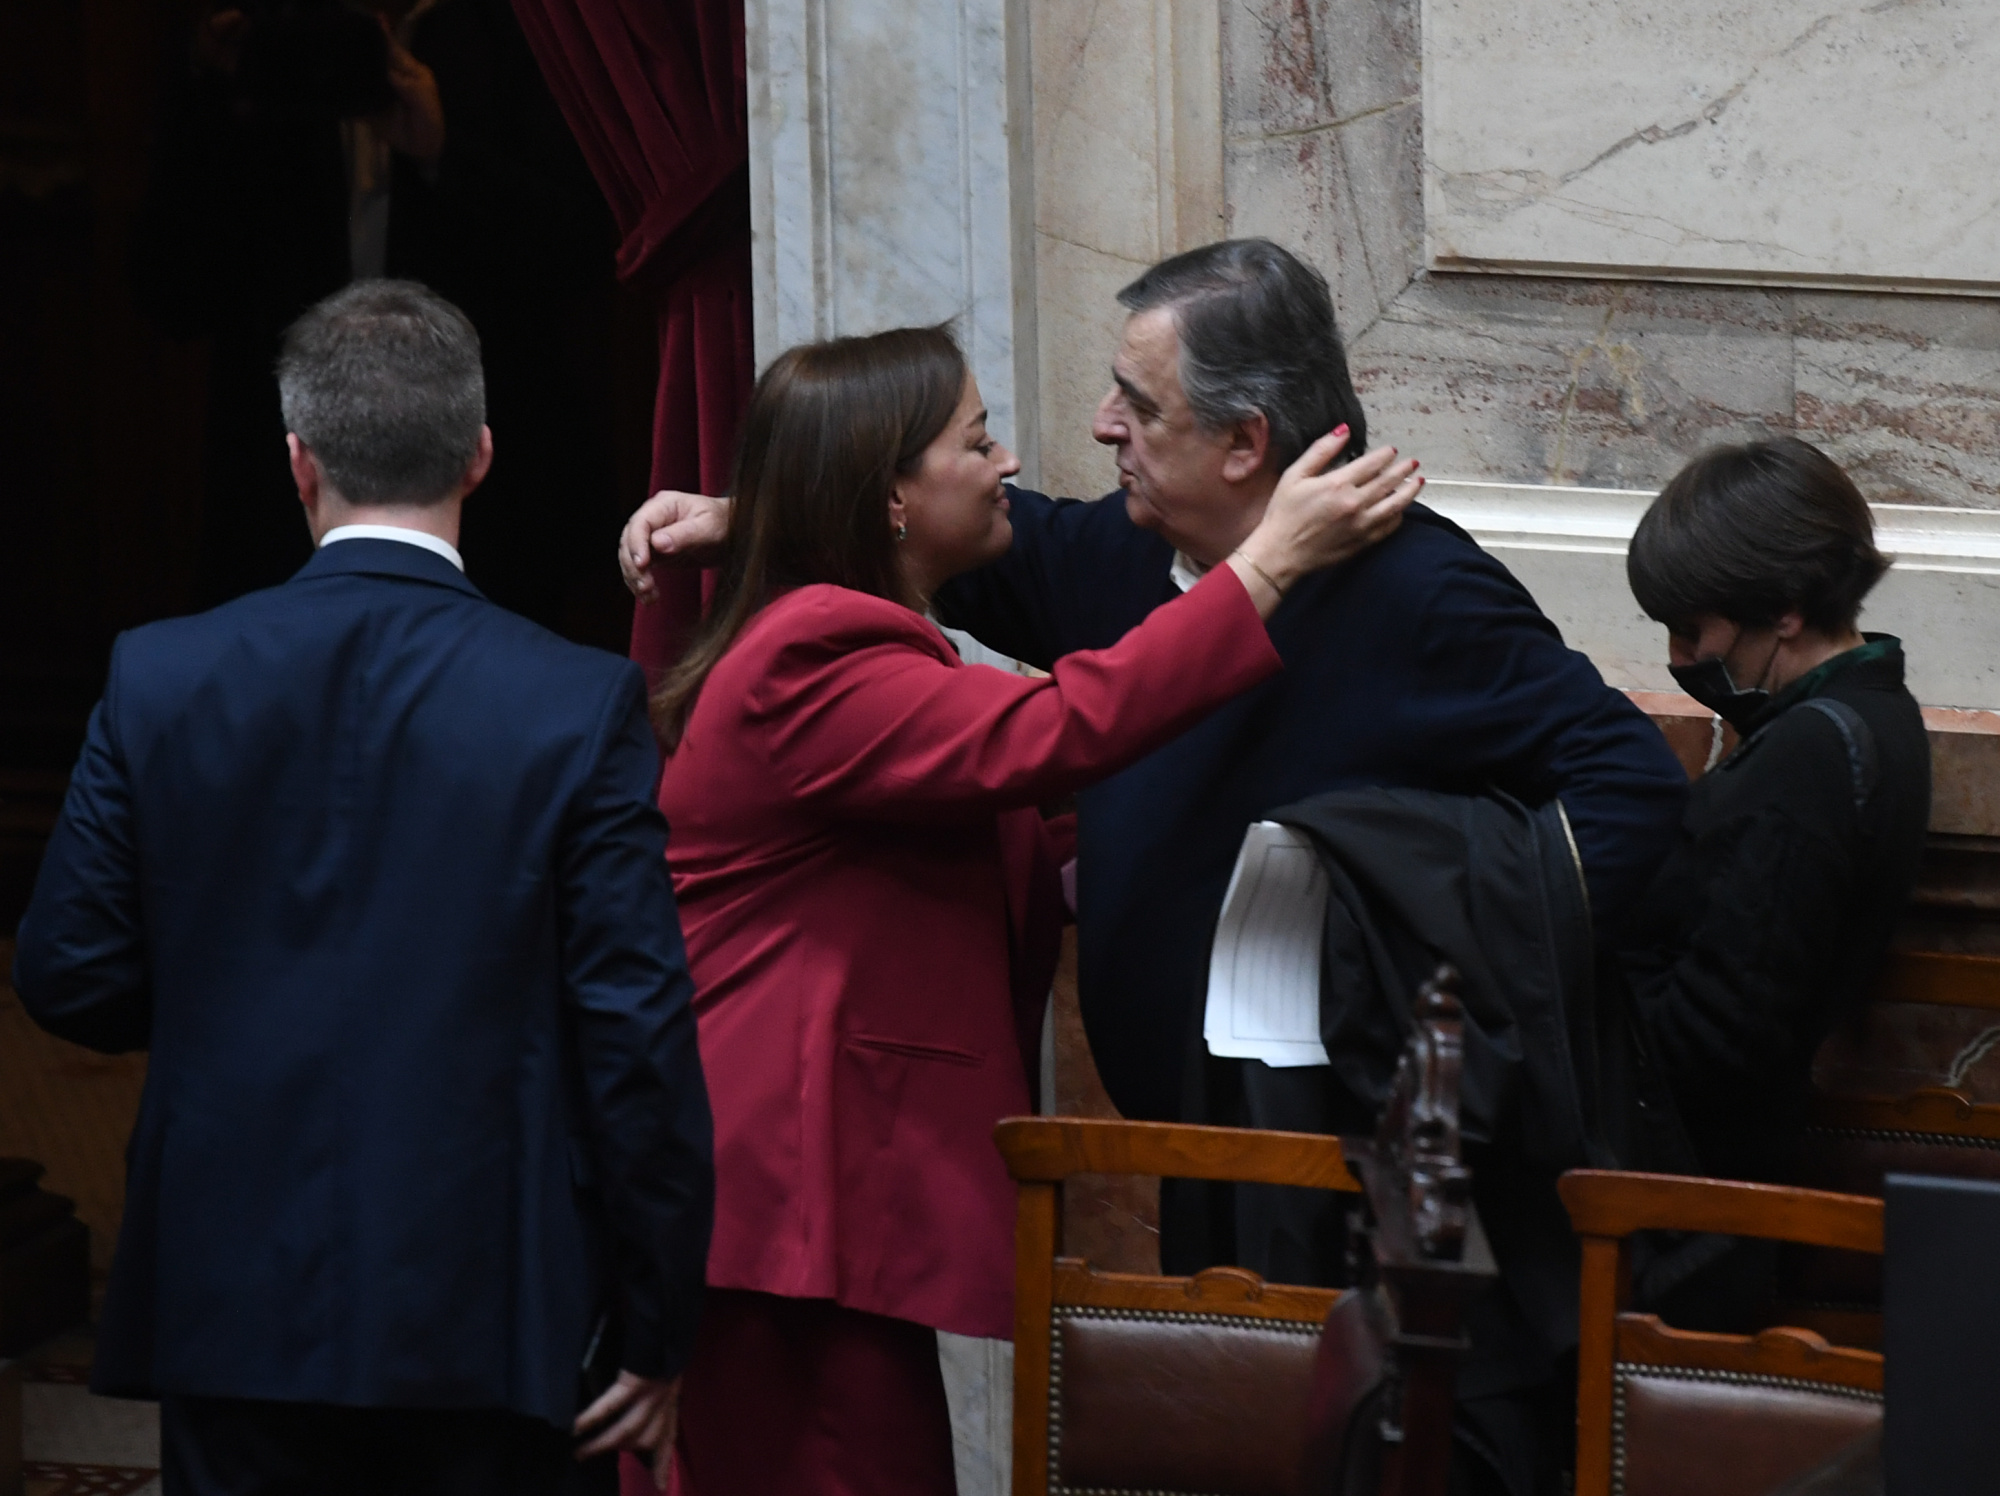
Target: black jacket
[(1494, 888), (1771, 915)]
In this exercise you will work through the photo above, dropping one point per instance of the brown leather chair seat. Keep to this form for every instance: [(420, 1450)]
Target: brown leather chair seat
[(1132, 1384), (1722, 1433), (1149, 1400)]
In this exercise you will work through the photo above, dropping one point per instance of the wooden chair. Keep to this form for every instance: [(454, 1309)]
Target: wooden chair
[(1662, 1411), (1893, 1095), (1126, 1382), (1226, 1385), (1892, 1089)]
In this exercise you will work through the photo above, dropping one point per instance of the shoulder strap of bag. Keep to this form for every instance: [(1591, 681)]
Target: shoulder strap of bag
[(1860, 740)]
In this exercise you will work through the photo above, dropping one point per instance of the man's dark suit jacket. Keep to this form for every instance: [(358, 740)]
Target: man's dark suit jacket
[(373, 868), (1419, 664)]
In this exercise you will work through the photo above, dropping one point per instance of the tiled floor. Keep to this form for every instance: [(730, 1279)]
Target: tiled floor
[(76, 1444)]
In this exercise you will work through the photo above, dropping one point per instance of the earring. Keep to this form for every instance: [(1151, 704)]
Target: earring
[(902, 532)]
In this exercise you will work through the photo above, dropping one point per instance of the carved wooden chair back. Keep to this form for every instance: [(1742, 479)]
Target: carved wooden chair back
[(1662, 1411), (1133, 1383)]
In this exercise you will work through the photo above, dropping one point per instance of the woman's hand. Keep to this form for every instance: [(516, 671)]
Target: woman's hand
[(635, 1413), (684, 526), (1317, 518)]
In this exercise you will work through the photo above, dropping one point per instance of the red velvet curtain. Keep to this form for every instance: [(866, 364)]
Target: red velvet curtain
[(655, 91)]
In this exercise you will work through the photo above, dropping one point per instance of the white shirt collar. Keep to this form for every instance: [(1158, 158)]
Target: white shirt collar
[(1186, 571), (429, 542)]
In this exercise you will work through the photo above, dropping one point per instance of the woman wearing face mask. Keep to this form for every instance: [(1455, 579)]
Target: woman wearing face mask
[(868, 896), (1797, 850)]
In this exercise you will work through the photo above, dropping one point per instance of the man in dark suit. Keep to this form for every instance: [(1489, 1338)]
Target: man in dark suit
[(373, 870), (1421, 663)]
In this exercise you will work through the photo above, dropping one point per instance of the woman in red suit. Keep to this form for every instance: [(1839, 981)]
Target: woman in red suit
[(869, 900)]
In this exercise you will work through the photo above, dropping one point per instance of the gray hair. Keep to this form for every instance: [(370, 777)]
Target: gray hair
[(382, 381), (1257, 336)]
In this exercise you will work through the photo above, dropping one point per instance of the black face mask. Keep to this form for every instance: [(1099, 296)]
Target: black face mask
[(1709, 682)]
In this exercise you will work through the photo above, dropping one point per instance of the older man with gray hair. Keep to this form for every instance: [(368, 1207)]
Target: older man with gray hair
[(1419, 664)]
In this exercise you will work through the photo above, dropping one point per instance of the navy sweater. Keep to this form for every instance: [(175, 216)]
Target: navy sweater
[(1421, 662)]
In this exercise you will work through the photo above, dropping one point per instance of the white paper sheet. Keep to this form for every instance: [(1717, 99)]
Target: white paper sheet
[(1263, 971)]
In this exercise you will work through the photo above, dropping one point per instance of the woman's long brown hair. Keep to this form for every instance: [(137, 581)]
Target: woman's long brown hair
[(830, 428)]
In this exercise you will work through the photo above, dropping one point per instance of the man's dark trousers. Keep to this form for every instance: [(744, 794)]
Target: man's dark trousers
[(373, 869)]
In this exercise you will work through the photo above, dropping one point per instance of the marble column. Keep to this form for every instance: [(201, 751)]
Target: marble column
[(891, 176)]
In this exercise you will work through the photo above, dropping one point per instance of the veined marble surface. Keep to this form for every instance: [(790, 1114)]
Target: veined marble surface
[(1128, 170), (1572, 380), (1803, 142), (891, 182)]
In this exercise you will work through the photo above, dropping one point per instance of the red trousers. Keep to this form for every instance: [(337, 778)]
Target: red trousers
[(801, 1397)]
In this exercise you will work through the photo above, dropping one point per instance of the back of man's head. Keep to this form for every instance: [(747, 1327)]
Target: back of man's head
[(382, 382), (1257, 334)]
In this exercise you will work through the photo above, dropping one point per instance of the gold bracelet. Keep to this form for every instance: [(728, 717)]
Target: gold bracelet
[(1273, 581)]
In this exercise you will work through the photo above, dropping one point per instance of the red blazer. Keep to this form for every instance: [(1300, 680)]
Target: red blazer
[(854, 848)]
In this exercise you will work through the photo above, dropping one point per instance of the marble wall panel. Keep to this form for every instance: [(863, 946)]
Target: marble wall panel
[(1081, 322), (1573, 380), (1618, 383), (1097, 211), (1096, 139), (1128, 170), (1607, 384), (1906, 391), (1322, 140), (1845, 142), (1297, 190), (1300, 65)]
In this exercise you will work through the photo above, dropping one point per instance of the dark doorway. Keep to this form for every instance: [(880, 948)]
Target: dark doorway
[(157, 231)]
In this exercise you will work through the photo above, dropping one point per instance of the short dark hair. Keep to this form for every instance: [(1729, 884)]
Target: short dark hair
[(1257, 335), (829, 429), (1750, 533), (382, 381)]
